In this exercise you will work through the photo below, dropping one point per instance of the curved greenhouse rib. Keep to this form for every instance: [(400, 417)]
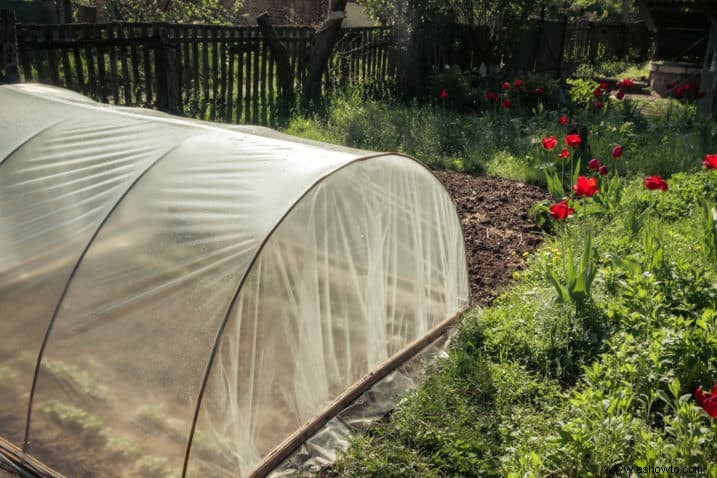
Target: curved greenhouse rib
[(371, 378), (26, 440), (19, 147)]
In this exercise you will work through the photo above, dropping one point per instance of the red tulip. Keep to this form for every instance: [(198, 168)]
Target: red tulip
[(620, 95), (563, 120), (617, 151), (599, 104), (593, 164), (550, 143), (655, 182), (603, 86), (505, 85), (564, 154), (507, 104), (597, 93), (710, 161), (539, 91), (670, 85), (679, 92), (444, 94), (603, 170), (707, 400), (490, 96), (518, 84), (586, 186), (625, 84), (561, 210), (573, 140)]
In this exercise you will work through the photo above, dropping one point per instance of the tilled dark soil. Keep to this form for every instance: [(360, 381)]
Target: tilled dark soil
[(496, 227)]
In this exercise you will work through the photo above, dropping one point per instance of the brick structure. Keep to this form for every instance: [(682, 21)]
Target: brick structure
[(296, 12)]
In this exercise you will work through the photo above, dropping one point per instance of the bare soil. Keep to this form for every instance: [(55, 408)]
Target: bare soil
[(496, 227)]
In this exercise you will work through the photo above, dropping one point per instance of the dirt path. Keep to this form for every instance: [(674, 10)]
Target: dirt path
[(496, 226)]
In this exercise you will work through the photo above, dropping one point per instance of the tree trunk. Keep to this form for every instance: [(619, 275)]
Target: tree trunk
[(283, 67), (324, 42)]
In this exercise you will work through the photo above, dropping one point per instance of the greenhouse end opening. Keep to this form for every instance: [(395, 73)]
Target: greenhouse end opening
[(192, 298)]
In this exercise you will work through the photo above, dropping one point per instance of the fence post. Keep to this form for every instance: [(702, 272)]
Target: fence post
[(160, 67), (168, 73), (8, 48)]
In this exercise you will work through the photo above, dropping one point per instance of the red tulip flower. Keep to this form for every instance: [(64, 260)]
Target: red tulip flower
[(593, 164), (655, 182), (679, 92), (507, 104), (444, 94), (490, 96), (625, 84), (563, 120), (603, 86), (550, 143), (603, 170), (518, 84), (561, 210), (539, 91), (597, 93), (617, 151), (710, 161), (599, 104), (586, 186), (620, 95), (564, 154), (505, 85), (707, 400), (573, 140)]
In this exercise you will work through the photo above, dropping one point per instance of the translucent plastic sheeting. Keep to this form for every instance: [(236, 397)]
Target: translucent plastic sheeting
[(366, 263), (143, 310), (54, 192), (142, 227)]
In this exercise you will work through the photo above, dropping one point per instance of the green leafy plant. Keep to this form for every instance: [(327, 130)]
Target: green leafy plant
[(578, 275)]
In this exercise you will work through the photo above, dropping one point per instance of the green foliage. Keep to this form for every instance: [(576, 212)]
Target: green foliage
[(538, 387), (581, 91), (178, 11), (77, 419), (577, 280)]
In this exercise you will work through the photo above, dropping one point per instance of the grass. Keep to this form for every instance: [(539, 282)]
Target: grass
[(506, 143), (590, 358)]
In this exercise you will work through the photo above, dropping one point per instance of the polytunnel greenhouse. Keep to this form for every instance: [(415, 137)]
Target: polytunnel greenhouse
[(180, 298)]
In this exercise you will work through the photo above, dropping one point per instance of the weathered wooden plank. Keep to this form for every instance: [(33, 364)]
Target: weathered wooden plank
[(195, 72), (89, 32), (25, 55), (241, 61), (256, 60), (205, 72), (126, 80), (146, 32), (264, 57), (186, 67), (65, 58), (231, 55), (112, 34), (222, 74), (101, 66)]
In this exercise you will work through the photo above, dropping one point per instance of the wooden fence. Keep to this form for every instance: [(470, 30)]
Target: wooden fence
[(227, 73), (218, 73)]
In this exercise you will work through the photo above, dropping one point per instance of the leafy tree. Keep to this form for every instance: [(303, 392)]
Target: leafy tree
[(174, 11)]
